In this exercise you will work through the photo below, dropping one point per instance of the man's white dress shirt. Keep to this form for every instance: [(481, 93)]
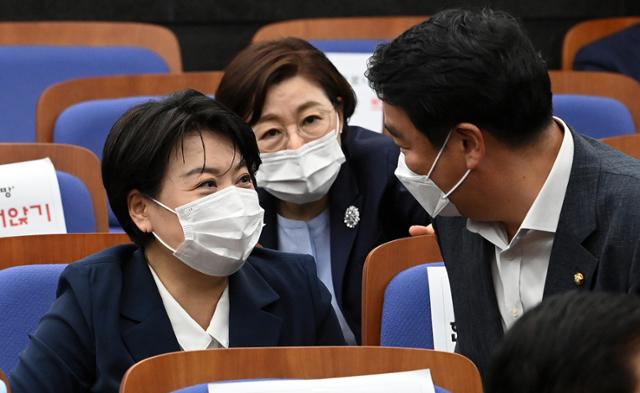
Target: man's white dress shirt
[(519, 267)]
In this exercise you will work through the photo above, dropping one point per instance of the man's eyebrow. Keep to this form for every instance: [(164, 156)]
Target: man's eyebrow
[(211, 170)]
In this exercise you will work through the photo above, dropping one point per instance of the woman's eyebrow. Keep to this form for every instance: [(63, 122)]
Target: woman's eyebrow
[(212, 170)]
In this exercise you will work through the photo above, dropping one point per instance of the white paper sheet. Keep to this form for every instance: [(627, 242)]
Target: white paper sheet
[(417, 381), (368, 113), (30, 201), (442, 318)]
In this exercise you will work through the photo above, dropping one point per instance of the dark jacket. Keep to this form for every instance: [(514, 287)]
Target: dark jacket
[(109, 315), (615, 53), (597, 235), (387, 210)]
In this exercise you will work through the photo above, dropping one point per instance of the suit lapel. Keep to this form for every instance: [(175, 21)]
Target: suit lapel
[(251, 324), (473, 270), (146, 328), (269, 235), (343, 194), (577, 221)]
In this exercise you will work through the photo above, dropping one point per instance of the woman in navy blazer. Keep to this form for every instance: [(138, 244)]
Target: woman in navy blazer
[(294, 98), (131, 302)]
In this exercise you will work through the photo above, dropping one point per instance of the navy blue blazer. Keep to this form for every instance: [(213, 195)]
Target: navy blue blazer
[(617, 52), (597, 235), (109, 315), (387, 210)]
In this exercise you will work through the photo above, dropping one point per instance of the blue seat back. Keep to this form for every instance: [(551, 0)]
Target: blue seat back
[(26, 294), (347, 46), (406, 311), (25, 71), (79, 214), (88, 123), (595, 116)]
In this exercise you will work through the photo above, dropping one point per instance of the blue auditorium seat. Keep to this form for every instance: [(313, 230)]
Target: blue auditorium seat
[(595, 116), (88, 123), (406, 311), (26, 294), (25, 71)]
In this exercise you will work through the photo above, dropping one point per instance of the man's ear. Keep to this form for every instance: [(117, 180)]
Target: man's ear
[(138, 206), (473, 143)]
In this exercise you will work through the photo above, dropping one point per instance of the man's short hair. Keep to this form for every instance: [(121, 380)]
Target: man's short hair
[(577, 342), (466, 66)]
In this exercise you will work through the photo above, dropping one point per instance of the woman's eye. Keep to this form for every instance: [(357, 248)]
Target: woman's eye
[(245, 179), (271, 133), (310, 120), (208, 184)]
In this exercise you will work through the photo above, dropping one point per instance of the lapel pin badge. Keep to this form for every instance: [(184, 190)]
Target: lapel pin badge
[(351, 217), (578, 278)]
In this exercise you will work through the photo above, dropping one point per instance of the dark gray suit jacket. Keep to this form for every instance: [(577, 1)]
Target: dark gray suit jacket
[(598, 235)]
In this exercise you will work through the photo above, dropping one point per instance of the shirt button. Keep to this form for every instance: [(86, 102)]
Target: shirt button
[(516, 312)]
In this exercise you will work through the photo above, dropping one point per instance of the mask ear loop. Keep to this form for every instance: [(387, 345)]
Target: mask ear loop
[(163, 205), (457, 184), (173, 250), (433, 166)]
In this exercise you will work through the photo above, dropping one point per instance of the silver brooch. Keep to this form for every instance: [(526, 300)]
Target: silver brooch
[(351, 217)]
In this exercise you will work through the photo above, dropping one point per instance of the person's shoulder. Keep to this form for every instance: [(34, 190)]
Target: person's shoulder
[(612, 162), (362, 143), (107, 261), (370, 152)]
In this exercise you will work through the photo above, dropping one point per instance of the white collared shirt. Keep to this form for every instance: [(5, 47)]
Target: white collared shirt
[(519, 268), (189, 334)]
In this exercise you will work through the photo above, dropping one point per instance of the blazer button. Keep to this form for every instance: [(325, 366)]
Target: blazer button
[(578, 278)]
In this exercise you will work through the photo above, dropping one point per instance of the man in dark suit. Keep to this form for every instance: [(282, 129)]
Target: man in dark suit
[(618, 52), (523, 206)]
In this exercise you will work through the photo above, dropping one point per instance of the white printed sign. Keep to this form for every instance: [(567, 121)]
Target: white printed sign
[(417, 381), (442, 318), (30, 201), (352, 66)]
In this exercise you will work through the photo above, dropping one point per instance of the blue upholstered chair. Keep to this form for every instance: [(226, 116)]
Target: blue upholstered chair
[(347, 46), (406, 312), (25, 71), (595, 116), (79, 214), (26, 294), (88, 123), (79, 179)]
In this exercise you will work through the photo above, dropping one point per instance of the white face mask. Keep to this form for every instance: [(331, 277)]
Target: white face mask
[(426, 191), (220, 230), (305, 174)]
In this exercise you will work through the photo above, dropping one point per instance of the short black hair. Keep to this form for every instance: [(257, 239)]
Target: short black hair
[(138, 148), (466, 66), (576, 342)]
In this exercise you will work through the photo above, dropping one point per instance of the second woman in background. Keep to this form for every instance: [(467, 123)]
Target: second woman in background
[(328, 189)]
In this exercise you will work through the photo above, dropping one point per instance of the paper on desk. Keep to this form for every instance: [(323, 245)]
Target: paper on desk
[(417, 381), (30, 201)]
